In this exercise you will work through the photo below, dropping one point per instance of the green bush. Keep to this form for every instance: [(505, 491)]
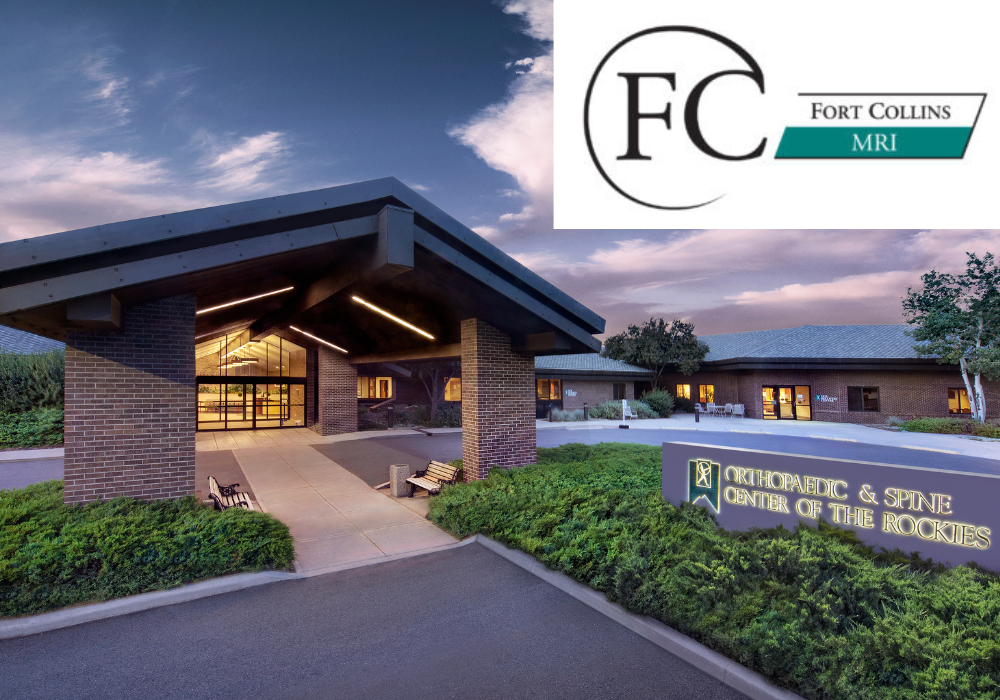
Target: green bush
[(951, 426), (53, 555), (682, 405), (571, 415), (660, 401), (612, 410), (31, 381), (39, 426), (812, 609)]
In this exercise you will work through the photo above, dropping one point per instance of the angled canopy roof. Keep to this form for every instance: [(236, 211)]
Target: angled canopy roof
[(378, 241)]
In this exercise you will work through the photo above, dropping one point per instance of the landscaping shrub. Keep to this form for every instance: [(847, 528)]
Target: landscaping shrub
[(813, 609), (39, 426), (951, 426), (682, 405), (568, 416), (31, 381), (660, 401), (53, 555), (449, 415), (612, 410)]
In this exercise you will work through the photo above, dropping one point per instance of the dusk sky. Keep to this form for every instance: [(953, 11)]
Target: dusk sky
[(118, 110)]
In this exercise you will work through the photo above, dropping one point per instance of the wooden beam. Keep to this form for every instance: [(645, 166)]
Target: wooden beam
[(426, 353)]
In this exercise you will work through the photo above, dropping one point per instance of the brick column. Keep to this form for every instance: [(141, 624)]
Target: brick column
[(498, 401), (130, 406), (337, 394)]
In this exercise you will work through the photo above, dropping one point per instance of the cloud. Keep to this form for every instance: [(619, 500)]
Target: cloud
[(892, 283), (515, 134), (111, 93), (241, 167), (486, 231)]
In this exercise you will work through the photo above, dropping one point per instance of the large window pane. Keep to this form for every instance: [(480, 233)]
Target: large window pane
[(803, 407)]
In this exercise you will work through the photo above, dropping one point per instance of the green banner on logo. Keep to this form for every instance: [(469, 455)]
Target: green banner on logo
[(872, 142)]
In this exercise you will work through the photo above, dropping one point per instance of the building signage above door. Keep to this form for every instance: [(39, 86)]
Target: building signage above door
[(823, 398), (948, 516)]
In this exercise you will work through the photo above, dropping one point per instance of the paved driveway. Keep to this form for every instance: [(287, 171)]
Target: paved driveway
[(462, 623)]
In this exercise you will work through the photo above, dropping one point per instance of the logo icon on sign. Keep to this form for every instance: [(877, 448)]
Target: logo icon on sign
[(703, 483)]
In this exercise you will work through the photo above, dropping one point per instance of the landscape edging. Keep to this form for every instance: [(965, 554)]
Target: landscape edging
[(722, 668)]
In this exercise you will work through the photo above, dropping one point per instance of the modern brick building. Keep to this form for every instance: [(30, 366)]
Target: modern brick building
[(845, 374), (259, 314)]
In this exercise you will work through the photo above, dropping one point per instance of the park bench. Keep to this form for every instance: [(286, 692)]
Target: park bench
[(227, 496), (431, 479)]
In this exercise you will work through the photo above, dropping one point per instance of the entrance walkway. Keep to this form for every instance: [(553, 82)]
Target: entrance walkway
[(337, 520)]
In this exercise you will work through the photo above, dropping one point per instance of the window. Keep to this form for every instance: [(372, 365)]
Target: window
[(683, 391), (862, 398), (706, 393), (958, 401), (453, 389), (548, 389), (618, 391), (374, 387)]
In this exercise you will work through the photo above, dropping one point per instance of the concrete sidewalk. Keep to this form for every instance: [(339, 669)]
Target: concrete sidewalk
[(949, 444), (337, 519)]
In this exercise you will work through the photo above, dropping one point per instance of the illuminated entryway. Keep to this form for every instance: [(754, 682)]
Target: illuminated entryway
[(786, 403), (248, 385)]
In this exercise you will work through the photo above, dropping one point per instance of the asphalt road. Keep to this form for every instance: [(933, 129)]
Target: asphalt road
[(17, 475), (463, 623), (370, 459)]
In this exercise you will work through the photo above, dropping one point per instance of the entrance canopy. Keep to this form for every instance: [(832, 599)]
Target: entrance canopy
[(371, 268)]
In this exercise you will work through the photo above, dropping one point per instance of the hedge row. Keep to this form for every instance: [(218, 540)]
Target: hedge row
[(37, 427), (31, 381), (813, 610), (951, 426), (53, 555)]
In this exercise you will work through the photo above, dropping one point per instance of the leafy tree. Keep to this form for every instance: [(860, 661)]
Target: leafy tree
[(435, 376), (656, 345), (957, 319)]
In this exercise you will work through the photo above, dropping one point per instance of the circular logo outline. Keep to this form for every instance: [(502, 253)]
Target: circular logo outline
[(729, 43)]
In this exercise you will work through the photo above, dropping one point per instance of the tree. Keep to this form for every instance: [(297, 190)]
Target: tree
[(435, 376), (656, 345), (957, 320)]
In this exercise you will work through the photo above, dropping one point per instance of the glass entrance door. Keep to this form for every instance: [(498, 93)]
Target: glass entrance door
[(250, 405), (786, 403)]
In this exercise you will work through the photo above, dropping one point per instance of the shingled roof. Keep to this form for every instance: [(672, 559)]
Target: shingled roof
[(586, 362), (22, 343), (833, 342)]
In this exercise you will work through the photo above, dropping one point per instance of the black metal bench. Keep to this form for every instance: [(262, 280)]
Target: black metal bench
[(227, 496), (431, 479)]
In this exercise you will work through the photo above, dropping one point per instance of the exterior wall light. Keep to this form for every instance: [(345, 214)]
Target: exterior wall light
[(242, 301), (397, 319), (310, 335)]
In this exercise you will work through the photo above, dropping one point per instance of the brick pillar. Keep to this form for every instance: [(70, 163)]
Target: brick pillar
[(498, 401), (337, 393), (130, 406)]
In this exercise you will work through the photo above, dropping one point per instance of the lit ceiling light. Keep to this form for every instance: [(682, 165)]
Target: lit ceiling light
[(335, 347), (397, 319), (243, 301)]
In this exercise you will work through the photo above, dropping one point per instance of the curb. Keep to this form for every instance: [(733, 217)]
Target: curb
[(31, 455), (720, 667), (24, 626)]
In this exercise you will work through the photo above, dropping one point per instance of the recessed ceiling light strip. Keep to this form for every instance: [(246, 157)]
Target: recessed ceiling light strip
[(325, 342), (397, 319), (243, 301)]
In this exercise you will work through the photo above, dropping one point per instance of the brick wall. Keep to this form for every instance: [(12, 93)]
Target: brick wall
[(337, 393), (130, 406), (498, 401), (902, 394), (592, 393)]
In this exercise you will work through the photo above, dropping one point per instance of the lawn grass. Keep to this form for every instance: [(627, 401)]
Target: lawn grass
[(53, 555), (814, 610)]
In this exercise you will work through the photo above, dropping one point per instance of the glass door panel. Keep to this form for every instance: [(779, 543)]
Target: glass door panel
[(268, 405), (785, 406), (803, 408), (239, 416), (770, 398), (211, 406), (296, 405)]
